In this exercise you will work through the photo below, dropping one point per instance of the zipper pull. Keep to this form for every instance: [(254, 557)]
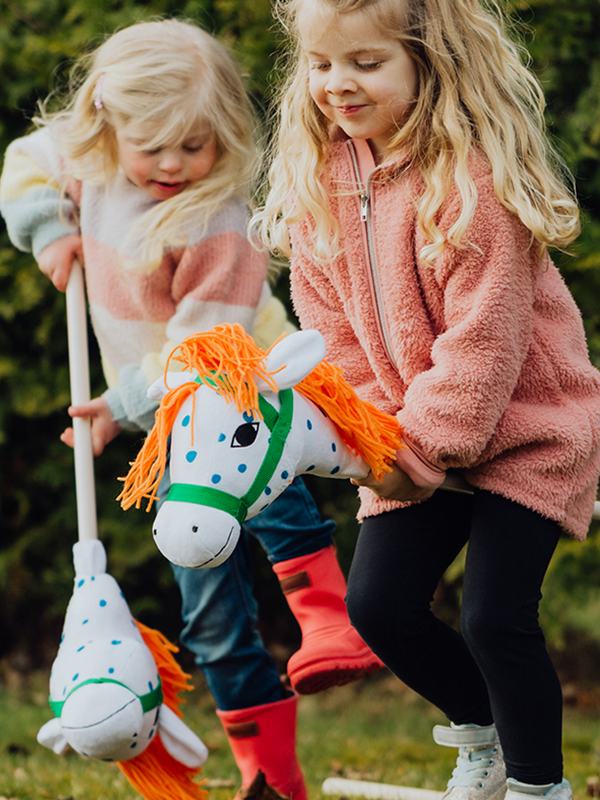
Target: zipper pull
[(364, 207)]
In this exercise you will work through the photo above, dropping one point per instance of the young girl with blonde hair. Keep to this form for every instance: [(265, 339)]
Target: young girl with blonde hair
[(415, 190), (144, 174)]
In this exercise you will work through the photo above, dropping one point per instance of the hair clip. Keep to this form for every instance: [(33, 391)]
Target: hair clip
[(98, 92)]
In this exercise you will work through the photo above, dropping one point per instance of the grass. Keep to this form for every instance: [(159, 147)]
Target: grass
[(376, 730)]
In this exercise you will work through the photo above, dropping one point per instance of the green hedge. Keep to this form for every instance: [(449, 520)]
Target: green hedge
[(38, 40)]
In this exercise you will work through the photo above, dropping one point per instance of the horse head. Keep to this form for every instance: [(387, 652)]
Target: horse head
[(239, 433)]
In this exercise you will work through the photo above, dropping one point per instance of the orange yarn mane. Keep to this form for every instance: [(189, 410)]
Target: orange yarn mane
[(229, 362)]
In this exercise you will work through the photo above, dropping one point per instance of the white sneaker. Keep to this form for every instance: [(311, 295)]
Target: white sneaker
[(480, 773), (520, 791)]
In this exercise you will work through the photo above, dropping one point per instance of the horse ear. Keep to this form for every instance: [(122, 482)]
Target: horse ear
[(51, 736), (294, 357), (179, 740), (174, 379)]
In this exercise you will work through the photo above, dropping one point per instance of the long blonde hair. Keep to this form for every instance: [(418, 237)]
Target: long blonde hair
[(170, 79), (475, 92)]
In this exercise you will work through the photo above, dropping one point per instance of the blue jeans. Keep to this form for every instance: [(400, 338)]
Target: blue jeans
[(219, 609)]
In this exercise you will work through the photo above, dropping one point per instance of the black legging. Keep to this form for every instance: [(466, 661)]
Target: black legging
[(499, 669)]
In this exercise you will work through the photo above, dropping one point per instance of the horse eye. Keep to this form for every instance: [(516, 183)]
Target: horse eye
[(245, 434)]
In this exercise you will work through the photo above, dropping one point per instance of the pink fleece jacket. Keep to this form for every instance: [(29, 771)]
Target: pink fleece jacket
[(482, 356)]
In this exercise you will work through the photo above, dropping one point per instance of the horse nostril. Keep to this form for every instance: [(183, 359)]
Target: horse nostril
[(155, 532), (195, 528)]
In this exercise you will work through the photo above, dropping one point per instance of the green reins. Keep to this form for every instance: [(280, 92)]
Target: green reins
[(279, 424)]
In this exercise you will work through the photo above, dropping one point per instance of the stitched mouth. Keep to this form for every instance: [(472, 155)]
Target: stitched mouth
[(100, 721), (217, 554)]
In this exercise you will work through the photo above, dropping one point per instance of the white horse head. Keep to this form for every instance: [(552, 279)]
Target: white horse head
[(105, 687), (230, 460)]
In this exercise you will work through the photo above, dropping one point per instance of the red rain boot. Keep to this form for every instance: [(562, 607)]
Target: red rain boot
[(264, 737), (332, 652)]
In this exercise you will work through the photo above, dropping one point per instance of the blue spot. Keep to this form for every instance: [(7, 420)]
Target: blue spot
[(116, 641), (268, 491), (309, 424), (111, 670), (133, 745), (74, 678), (156, 717), (185, 421), (191, 455), (222, 437), (102, 603), (79, 649), (81, 582), (248, 417), (242, 468), (285, 474), (93, 577), (150, 685), (62, 638), (216, 479), (312, 466), (64, 691), (85, 622), (334, 470), (151, 734), (333, 447), (122, 595)]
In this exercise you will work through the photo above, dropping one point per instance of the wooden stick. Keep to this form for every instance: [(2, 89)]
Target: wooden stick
[(80, 393)]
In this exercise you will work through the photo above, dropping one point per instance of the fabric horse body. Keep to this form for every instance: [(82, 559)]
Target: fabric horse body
[(230, 460)]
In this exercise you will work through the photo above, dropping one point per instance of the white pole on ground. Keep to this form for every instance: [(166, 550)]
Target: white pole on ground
[(80, 393), (376, 791)]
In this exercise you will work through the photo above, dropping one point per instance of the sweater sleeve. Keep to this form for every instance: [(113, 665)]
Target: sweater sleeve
[(30, 194), (453, 409)]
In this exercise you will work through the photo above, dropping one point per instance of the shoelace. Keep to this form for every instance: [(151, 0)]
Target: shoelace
[(472, 767)]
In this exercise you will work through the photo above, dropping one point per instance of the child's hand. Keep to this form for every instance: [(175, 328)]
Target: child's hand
[(56, 259), (395, 485), (104, 428)]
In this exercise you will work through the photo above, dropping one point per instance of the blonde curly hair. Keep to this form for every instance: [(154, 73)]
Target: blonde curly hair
[(475, 92), (171, 80)]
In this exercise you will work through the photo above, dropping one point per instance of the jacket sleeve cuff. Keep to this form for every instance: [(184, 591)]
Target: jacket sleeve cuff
[(422, 472)]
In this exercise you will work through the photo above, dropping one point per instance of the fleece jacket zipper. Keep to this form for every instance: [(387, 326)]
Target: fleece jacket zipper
[(371, 257)]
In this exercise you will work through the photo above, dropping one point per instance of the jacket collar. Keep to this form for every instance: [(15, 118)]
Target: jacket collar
[(366, 160)]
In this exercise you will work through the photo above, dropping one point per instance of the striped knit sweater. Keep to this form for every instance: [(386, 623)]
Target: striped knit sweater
[(138, 316)]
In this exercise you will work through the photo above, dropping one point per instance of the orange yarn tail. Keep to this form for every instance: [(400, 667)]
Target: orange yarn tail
[(155, 774)]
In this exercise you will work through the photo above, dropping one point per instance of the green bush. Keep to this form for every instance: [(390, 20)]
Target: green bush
[(38, 41)]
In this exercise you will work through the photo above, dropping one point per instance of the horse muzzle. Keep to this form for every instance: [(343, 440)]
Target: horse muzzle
[(195, 536)]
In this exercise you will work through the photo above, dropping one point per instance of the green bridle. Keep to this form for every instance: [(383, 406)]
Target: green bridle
[(149, 701), (279, 423)]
